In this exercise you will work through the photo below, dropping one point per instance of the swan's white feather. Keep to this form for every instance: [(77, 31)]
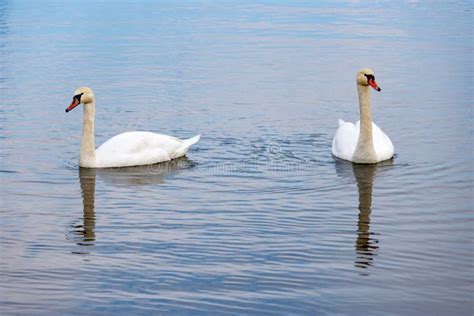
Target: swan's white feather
[(141, 148), (347, 135)]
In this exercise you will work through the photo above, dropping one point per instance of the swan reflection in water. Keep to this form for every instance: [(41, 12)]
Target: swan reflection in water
[(366, 244), (83, 233)]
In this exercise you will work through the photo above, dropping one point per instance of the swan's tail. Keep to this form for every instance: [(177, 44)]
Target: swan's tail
[(185, 146), (191, 141), (341, 122)]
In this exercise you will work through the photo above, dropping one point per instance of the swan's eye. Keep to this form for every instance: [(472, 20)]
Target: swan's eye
[(369, 77), (78, 97)]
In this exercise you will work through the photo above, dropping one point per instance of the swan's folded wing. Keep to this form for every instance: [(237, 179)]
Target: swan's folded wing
[(345, 141), (382, 144), (137, 148)]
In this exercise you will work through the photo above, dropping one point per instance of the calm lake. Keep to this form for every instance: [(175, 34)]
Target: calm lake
[(259, 218)]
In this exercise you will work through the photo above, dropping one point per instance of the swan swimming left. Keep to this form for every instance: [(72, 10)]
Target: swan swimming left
[(127, 149)]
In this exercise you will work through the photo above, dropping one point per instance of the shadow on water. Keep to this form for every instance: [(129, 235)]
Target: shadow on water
[(143, 175), (366, 244), (86, 231), (83, 233)]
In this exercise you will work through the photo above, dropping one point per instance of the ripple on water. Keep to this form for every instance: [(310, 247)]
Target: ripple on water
[(259, 218)]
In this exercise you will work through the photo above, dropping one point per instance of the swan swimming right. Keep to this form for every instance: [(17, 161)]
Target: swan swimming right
[(363, 142)]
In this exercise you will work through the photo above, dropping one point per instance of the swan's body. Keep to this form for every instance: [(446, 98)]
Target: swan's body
[(127, 149), (363, 142), (347, 136), (140, 148)]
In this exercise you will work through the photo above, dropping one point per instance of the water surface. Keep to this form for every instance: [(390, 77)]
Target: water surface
[(259, 218)]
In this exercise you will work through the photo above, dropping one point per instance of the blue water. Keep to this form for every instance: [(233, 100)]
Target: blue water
[(259, 218)]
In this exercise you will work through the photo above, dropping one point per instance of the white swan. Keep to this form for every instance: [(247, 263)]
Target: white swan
[(127, 149), (370, 145)]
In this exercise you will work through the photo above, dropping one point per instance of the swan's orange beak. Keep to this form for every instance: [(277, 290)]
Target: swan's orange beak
[(75, 102), (374, 85)]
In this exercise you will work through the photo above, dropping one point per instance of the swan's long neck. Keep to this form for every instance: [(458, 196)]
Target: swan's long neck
[(365, 152), (87, 156)]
